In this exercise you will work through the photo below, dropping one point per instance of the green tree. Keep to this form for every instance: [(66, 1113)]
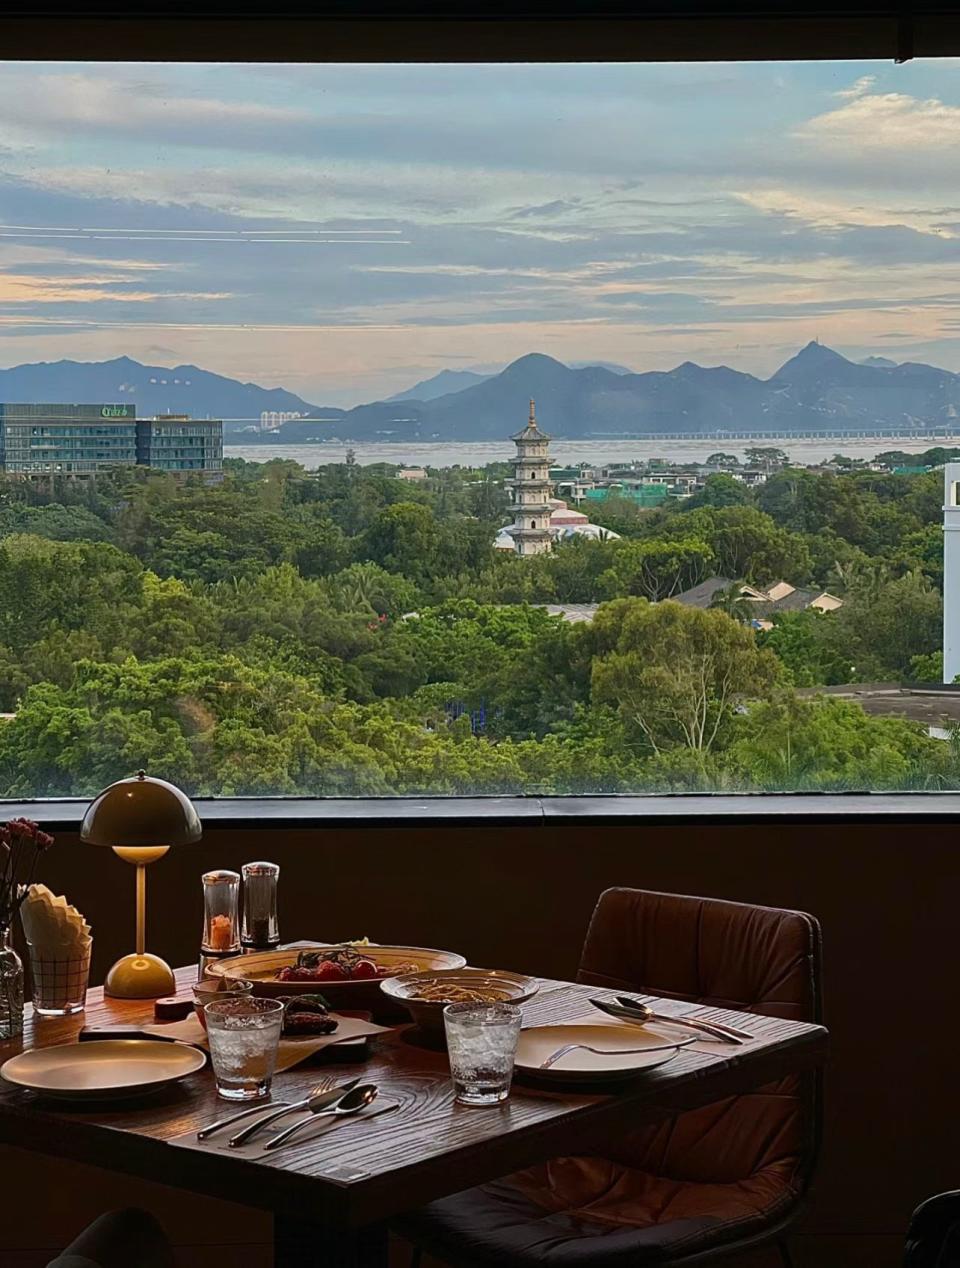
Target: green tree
[(676, 674), (720, 490), (655, 569)]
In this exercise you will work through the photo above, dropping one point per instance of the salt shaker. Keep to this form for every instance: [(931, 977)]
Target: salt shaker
[(261, 928), (221, 917)]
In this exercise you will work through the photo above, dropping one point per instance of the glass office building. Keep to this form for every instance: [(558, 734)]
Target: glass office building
[(67, 439), (81, 440), (178, 443)]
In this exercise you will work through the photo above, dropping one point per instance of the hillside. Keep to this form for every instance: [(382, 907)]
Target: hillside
[(818, 389), (155, 389)]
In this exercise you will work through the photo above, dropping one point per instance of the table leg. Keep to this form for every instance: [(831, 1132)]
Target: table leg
[(301, 1244)]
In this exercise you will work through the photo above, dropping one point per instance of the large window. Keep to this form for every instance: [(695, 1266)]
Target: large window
[(492, 429)]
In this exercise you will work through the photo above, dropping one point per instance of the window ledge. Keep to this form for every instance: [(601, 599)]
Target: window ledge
[(65, 814)]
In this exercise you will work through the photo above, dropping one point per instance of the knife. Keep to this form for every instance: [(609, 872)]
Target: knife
[(640, 1018), (324, 1100), (89, 1033)]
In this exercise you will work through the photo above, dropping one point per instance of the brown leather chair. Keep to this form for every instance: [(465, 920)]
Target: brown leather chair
[(119, 1239), (708, 1182)]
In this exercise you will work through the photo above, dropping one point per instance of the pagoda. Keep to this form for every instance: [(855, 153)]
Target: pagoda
[(531, 489)]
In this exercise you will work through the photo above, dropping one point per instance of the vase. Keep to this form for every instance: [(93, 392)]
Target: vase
[(11, 988)]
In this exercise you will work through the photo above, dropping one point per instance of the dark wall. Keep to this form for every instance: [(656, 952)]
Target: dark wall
[(521, 898)]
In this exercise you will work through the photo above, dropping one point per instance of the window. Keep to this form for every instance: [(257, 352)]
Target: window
[(478, 429)]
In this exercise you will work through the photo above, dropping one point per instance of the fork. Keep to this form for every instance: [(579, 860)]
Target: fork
[(554, 1057), (327, 1084)]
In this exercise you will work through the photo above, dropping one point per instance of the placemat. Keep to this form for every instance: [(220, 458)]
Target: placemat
[(291, 1051)]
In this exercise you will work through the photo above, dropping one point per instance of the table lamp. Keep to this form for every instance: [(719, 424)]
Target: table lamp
[(139, 819)]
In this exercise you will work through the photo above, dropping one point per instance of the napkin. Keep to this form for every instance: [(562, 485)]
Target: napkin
[(292, 1050), (54, 928)]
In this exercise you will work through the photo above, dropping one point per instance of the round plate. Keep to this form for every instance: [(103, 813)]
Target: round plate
[(537, 1043), (103, 1067), (261, 968)]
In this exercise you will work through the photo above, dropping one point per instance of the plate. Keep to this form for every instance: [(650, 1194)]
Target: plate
[(537, 1043), (512, 988), (103, 1067), (261, 969)]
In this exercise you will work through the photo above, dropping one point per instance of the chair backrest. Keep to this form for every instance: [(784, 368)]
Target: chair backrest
[(731, 955)]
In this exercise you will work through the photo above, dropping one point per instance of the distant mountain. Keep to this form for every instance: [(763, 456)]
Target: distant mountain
[(449, 381), (816, 390), (440, 385), (154, 389), (612, 366)]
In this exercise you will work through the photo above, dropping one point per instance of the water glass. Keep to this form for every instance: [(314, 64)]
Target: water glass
[(482, 1043), (244, 1034)]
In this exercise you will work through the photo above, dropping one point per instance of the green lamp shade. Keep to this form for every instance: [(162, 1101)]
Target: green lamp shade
[(141, 812)]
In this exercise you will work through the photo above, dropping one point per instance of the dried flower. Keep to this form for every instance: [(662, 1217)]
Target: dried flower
[(21, 842)]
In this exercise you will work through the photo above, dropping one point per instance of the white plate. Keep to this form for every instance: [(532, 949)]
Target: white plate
[(102, 1067), (537, 1043)]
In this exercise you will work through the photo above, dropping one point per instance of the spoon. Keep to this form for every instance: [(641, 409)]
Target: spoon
[(352, 1103), (633, 1010), (322, 1097)]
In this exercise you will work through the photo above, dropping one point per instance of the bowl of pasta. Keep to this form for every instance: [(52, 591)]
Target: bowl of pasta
[(427, 993)]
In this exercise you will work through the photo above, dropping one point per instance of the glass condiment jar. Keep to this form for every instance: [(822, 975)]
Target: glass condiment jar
[(261, 927), (221, 914)]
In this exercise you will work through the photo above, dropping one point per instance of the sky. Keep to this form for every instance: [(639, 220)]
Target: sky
[(344, 231)]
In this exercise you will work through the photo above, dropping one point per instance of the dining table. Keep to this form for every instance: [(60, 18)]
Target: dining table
[(333, 1194)]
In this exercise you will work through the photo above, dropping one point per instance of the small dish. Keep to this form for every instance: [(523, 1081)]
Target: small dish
[(212, 988), (493, 986)]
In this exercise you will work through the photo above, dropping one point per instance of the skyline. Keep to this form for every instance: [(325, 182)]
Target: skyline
[(346, 231)]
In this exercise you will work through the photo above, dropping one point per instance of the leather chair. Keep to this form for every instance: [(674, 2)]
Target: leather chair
[(702, 1185), (119, 1239), (933, 1240)]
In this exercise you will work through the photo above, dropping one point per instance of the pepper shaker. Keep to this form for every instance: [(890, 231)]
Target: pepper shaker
[(261, 928)]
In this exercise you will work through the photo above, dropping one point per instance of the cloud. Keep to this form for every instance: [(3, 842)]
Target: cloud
[(106, 104), (858, 87), (554, 208), (886, 123), (834, 213)]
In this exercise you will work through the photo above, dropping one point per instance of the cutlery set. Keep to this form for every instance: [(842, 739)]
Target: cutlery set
[(626, 1009), (336, 1103), (630, 1010)]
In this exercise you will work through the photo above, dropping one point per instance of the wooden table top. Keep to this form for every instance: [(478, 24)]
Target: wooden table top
[(427, 1149)]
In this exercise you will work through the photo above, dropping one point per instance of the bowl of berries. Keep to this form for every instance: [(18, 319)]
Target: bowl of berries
[(348, 974)]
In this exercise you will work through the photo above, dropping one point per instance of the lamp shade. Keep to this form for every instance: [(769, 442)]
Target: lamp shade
[(141, 812)]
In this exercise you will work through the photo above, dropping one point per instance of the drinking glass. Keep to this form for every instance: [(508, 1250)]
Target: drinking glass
[(482, 1043), (243, 1033)]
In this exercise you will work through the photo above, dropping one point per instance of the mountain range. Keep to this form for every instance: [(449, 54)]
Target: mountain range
[(154, 389), (816, 390)]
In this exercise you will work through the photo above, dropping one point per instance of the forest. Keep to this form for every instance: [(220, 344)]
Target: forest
[(343, 632)]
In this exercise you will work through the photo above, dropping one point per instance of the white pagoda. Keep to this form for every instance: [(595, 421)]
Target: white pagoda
[(531, 490)]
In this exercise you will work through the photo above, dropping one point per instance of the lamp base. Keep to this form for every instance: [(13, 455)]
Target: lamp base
[(140, 977)]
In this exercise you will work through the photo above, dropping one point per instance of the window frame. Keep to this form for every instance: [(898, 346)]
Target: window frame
[(506, 31)]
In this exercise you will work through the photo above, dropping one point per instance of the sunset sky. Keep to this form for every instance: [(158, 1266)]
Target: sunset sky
[(346, 231)]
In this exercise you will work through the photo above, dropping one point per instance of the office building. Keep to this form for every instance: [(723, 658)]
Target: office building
[(181, 444), (67, 439), (80, 440)]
